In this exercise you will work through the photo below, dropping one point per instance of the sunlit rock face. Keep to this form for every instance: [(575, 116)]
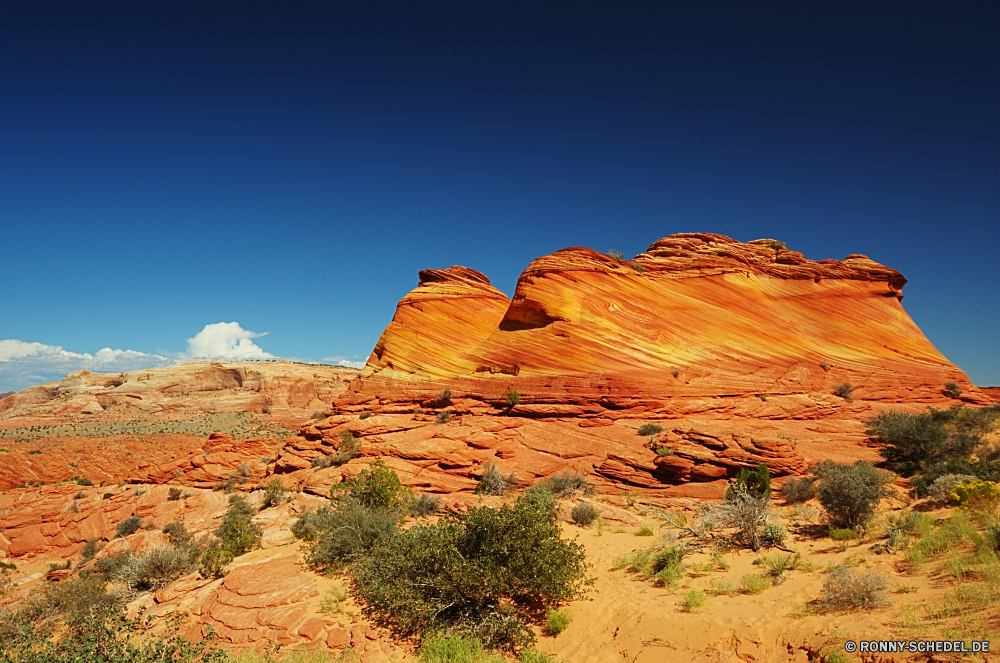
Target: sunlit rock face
[(695, 323)]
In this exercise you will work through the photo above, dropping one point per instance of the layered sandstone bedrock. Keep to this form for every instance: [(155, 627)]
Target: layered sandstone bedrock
[(697, 318)]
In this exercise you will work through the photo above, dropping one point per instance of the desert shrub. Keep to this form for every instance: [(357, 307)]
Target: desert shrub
[(556, 621), (951, 390), (105, 634), (376, 487), (664, 451), (424, 505), (445, 395), (645, 529), (719, 587), (937, 443), (128, 526), (333, 601), (474, 573), (566, 483), (79, 496), (443, 417), (650, 429), (976, 495), (173, 494), (317, 416), (940, 490), (746, 512), (584, 514), (757, 482), (845, 589), (365, 414), (238, 533), (693, 601), (455, 648), (90, 548), (845, 390), (798, 489), (178, 535), (754, 584), (339, 537), (675, 372), (957, 531), (616, 255), (774, 535), (107, 496), (274, 494), (513, 398), (850, 493), (842, 534), (493, 482), (155, 568), (84, 481), (214, 561), (668, 557)]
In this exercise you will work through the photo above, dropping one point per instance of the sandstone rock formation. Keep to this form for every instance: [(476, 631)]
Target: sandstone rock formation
[(697, 317)]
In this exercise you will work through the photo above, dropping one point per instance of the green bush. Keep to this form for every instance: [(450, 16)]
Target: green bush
[(693, 601), (584, 514), (513, 398), (841, 534), (556, 621), (476, 573), (376, 487), (650, 429), (128, 526), (238, 533), (850, 493), (566, 483), (951, 390), (173, 494), (274, 494), (757, 482), (443, 417), (753, 584), (937, 443), (798, 489), (90, 548), (104, 633), (214, 561), (338, 537), (178, 535), (667, 565), (424, 505), (940, 490), (455, 648), (84, 481)]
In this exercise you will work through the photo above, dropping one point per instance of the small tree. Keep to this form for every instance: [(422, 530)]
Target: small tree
[(376, 487), (513, 398), (951, 390), (757, 482), (850, 493)]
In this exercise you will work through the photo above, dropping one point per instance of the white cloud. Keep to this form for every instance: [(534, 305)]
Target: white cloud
[(23, 363), (345, 362), (226, 340)]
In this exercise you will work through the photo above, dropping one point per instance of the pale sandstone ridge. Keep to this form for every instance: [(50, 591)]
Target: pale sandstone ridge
[(105, 426), (235, 387), (695, 319)]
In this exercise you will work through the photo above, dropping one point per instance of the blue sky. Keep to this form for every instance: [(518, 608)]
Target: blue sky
[(289, 168)]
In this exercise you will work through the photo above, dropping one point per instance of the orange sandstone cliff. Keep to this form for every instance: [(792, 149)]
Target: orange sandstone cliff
[(697, 319)]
